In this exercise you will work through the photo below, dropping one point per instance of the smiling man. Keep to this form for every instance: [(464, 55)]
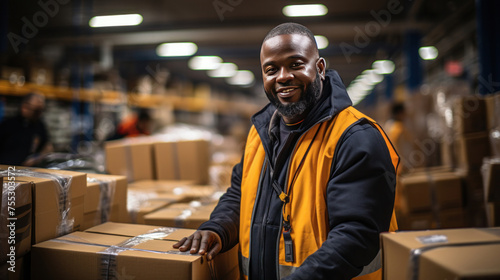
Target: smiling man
[(315, 186)]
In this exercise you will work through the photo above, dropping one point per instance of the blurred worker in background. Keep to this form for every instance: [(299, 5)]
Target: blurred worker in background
[(24, 139), (136, 125), (399, 135), (315, 186)]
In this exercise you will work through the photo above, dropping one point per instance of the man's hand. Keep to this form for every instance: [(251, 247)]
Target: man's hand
[(202, 241)]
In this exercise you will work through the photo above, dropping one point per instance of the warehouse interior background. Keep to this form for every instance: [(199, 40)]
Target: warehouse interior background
[(424, 54)]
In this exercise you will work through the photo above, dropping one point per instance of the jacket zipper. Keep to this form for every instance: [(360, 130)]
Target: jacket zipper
[(286, 184)]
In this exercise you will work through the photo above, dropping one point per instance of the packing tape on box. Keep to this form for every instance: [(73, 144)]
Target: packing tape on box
[(107, 192), (414, 262), (63, 182), (108, 260), (180, 220)]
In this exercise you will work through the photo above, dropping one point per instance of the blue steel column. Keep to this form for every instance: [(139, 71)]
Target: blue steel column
[(488, 39), (414, 72), (82, 78)]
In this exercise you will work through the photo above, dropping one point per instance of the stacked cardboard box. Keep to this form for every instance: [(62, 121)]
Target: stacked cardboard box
[(150, 195), (471, 146), (430, 199), (148, 158), (182, 160), (126, 251), (57, 200), (132, 158), (491, 173), (105, 200), (184, 215), (37, 205), (441, 254)]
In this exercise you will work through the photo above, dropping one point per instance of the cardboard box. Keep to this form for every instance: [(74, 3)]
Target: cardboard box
[(57, 197), (492, 102), (138, 252), (105, 199), (15, 219), (183, 160), (471, 149), (131, 157), (184, 189), (423, 192), (141, 203), (469, 115), (442, 254), (19, 270), (491, 177), (185, 215)]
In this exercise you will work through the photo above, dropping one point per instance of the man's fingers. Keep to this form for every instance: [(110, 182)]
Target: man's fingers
[(178, 244), (214, 251), (196, 244)]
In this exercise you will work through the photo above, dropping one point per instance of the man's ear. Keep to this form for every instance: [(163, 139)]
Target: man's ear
[(321, 67)]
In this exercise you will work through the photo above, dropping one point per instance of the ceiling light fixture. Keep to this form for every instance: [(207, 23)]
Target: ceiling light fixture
[(428, 53), (115, 20), (225, 70), (205, 62), (321, 41), (241, 78), (308, 10), (177, 49), (383, 66)]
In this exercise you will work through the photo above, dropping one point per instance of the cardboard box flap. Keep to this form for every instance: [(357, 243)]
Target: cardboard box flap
[(131, 230)]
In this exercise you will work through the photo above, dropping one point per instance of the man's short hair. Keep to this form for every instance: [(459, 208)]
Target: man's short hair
[(289, 28)]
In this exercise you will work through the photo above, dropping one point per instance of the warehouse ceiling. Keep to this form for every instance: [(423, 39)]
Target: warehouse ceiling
[(359, 32)]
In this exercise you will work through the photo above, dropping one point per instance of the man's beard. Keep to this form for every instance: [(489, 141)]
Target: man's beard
[(308, 99)]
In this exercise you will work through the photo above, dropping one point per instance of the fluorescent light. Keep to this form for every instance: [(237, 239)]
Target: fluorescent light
[(372, 77), (205, 62), (428, 53), (307, 10), (225, 70), (383, 66), (321, 41), (177, 49), (242, 78), (115, 20)]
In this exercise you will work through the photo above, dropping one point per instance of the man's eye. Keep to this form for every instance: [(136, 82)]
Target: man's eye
[(270, 69), (296, 64)]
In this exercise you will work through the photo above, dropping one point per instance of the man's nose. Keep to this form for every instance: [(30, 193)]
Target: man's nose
[(284, 76)]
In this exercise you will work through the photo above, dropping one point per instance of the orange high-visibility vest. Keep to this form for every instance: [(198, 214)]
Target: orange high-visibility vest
[(309, 213)]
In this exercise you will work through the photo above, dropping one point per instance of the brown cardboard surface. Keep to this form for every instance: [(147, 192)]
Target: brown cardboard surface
[(132, 158), (471, 149), (419, 191), (396, 248), (180, 215), (492, 181), (16, 212), (492, 110), (469, 115), (182, 160), (86, 255), (46, 212), (465, 262), (118, 207)]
